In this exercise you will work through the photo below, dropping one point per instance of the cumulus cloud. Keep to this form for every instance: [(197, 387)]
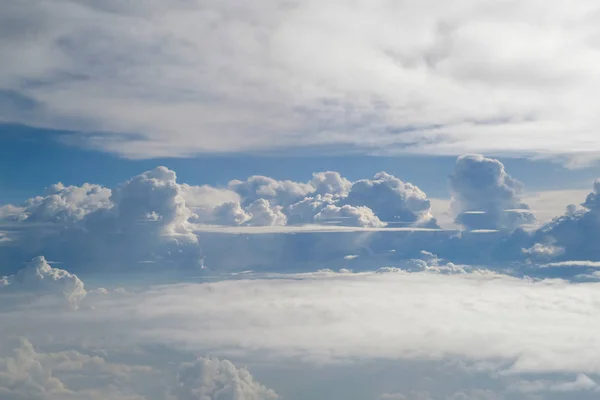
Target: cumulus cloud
[(485, 196), (67, 203), (349, 215), (215, 379), (202, 200), (330, 182), (154, 218), (430, 262), (577, 231), (230, 213), (38, 278), (391, 199), (262, 187), (27, 373), (152, 201), (143, 218)]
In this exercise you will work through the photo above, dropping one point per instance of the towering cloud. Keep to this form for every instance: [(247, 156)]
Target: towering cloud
[(484, 196)]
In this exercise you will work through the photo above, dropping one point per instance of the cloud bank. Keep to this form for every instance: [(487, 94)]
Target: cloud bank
[(456, 77)]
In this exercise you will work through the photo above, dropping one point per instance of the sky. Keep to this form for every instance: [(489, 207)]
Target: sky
[(363, 200)]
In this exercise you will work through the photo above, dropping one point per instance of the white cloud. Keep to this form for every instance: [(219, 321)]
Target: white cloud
[(26, 373), (572, 263), (544, 250), (216, 76), (39, 279), (263, 187), (263, 214), (214, 379), (349, 216), (581, 383), (391, 199), (524, 326), (230, 213)]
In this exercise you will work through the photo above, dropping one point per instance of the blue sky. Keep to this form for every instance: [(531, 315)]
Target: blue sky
[(38, 158), (365, 200)]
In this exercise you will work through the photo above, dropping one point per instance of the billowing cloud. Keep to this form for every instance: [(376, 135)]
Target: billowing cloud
[(330, 182), (263, 187), (230, 213), (22, 376), (485, 196), (577, 231), (26, 373), (67, 203), (215, 379), (39, 279), (391, 199), (144, 218)]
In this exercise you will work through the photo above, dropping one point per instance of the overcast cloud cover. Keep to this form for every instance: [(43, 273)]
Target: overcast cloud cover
[(182, 77)]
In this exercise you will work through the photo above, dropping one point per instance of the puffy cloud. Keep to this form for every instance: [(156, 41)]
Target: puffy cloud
[(349, 215), (262, 213), (330, 182), (262, 187), (215, 379), (26, 373), (304, 211), (152, 201), (144, 218), (259, 213), (230, 213), (391, 199), (65, 204), (430, 262), (202, 200), (485, 196), (577, 231), (22, 376), (38, 278)]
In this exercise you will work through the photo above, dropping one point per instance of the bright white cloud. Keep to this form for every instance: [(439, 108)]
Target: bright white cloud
[(202, 76)]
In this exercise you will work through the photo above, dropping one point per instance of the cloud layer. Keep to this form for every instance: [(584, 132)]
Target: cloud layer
[(214, 76)]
